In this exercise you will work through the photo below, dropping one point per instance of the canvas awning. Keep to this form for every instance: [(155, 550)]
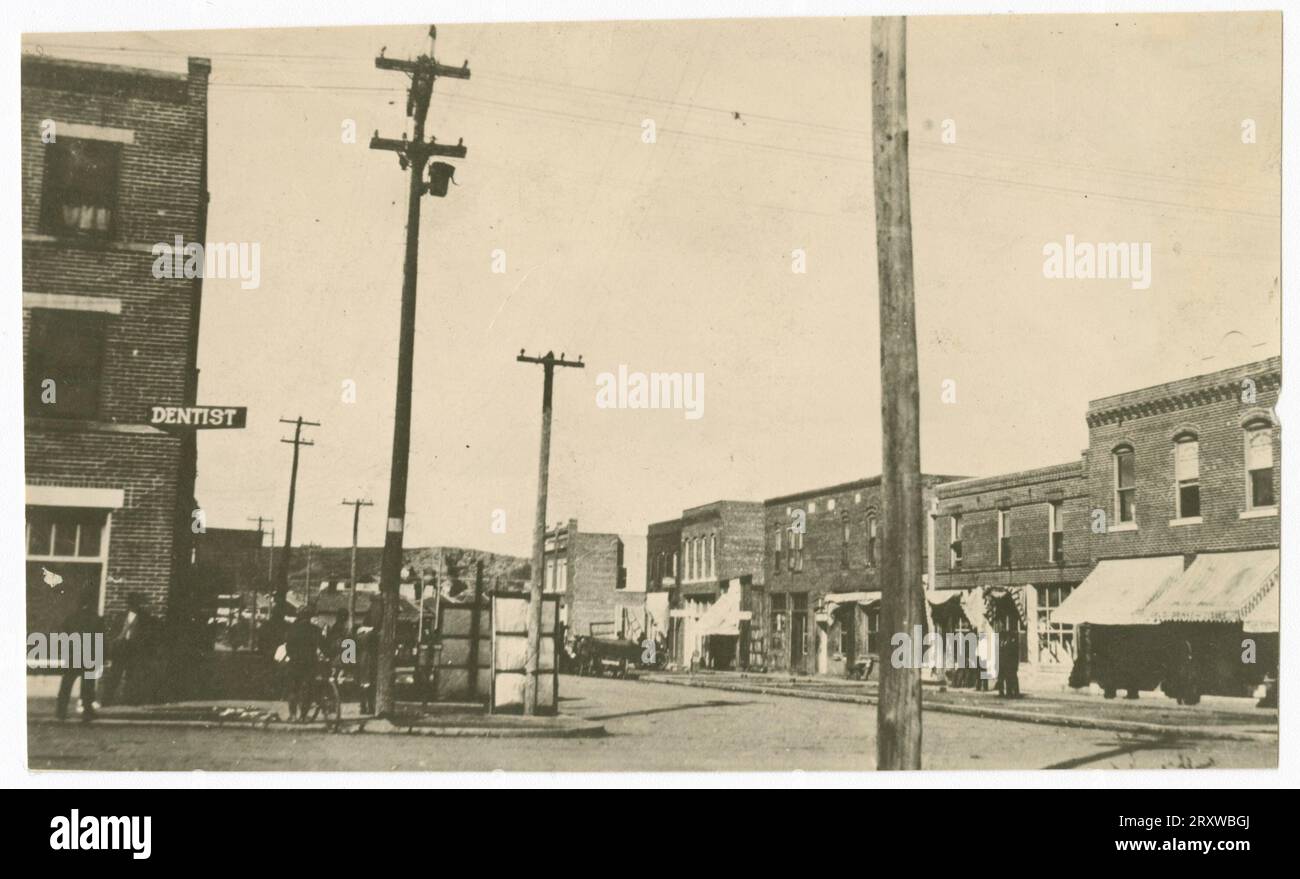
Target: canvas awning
[(1221, 587), (1118, 592), (724, 615), (1265, 615), (834, 600)]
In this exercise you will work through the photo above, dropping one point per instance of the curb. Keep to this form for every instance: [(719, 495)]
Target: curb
[(582, 729), (1065, 720)]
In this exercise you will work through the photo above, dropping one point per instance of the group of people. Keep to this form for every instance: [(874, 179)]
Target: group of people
[(129, 651), (310, 652)]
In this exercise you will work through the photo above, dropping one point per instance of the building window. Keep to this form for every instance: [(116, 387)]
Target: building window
[(1125, 484), (954, 540), (830, 505), (1187, 477), (777, 531), (812, 506), (795, 556), (79, 191), (1004, 538), (677, 572), (713, 556), (1259, 465), (1056, 530), (66, 552), (65, 359), (873, 632), (1055, 640), (873, 541), (845, 531), (779, 621)]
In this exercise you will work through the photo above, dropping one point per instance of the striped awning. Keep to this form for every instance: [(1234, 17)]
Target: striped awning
[(1119, 592), (1223, 587)]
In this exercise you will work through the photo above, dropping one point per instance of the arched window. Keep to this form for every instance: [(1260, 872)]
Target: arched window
[(873, 541), (1187, 476), (1259, 465), (1125, 480)]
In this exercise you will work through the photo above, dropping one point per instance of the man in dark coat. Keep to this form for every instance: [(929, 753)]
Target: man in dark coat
[(85, 620), (129, 650), (302, 642), (367, 655), (1009, 664)]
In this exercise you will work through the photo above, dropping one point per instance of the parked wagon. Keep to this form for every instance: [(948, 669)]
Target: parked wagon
[(597, 655)]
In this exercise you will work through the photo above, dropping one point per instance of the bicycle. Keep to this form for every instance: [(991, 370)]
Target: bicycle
[(324, 698)]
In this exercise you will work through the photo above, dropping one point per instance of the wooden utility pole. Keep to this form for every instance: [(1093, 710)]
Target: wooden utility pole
[(898, 719), (412, 155), (356, 505), (282, 572), (538, 575), (252, 622)]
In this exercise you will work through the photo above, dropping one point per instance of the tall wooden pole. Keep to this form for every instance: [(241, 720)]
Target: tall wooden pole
[(282, 571), (898, 723), (413, 156), (532, 663), (356, 506)]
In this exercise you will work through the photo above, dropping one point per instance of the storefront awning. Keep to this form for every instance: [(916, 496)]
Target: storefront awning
[(834, 599), (1119, 591), (1221, 587), (723, 617)]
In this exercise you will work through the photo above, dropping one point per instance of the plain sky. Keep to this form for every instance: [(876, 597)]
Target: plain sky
[(676, 256)]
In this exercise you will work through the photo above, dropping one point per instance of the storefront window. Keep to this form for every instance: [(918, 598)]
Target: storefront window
[(1055, 640)]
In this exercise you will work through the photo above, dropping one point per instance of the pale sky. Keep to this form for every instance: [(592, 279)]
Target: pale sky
[(676, 256)]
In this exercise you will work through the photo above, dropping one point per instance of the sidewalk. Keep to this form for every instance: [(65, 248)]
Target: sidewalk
[(1153, 714), (440, 720)]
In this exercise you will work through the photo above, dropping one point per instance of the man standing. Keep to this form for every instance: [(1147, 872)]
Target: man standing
[(301, 643), (1009, 663), (85, 620), (128, 651)]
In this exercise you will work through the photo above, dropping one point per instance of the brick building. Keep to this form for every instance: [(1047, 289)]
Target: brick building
[(1184, 530), (1012, 547), (113, 162), (710, 562), (586, 570), (820, 566)]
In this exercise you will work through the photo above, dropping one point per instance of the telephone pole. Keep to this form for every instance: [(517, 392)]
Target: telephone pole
[(412, 155), (356, 505), (531, 663), (898, 717), (282, 572), (252, 623)]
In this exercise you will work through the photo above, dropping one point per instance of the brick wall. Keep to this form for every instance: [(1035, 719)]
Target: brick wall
[(149, 349), (1212, 407), (1025, 496)]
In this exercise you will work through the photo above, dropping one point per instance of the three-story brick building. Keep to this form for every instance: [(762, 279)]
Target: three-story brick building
[(114, 161)]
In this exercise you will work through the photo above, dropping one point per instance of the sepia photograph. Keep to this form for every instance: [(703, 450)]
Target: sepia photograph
[(759, 393)]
